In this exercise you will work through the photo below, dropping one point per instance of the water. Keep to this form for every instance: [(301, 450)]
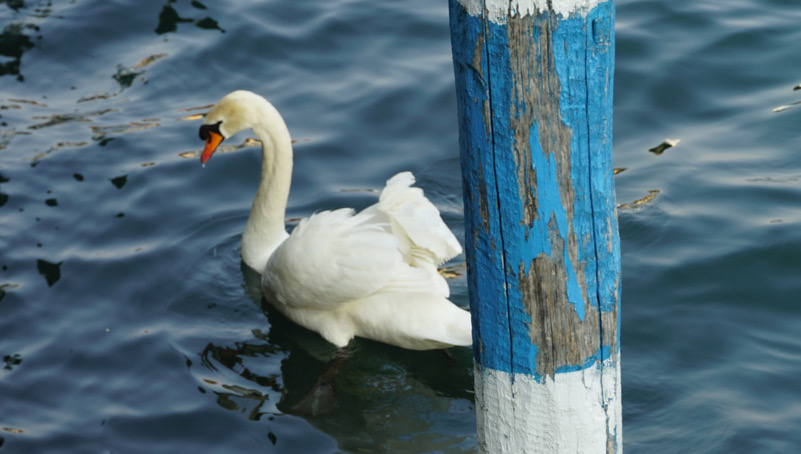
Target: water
[(127, 323)]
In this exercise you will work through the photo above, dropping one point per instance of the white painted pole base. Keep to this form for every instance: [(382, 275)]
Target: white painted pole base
[(566, 414)]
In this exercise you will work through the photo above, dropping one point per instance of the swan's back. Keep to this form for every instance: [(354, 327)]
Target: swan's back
[(371, 274)]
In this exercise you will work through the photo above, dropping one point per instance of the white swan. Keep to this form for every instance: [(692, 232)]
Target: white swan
[(342, 274)]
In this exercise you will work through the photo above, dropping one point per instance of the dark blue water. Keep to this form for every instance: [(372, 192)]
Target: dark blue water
[(127, 323)]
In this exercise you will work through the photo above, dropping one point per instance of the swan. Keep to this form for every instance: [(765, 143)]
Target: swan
[(342, 274)]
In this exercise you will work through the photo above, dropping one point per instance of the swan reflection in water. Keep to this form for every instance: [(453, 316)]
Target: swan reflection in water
[(380, 396)]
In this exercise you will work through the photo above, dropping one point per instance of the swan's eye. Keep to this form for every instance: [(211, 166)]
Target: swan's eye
[(205, 129)]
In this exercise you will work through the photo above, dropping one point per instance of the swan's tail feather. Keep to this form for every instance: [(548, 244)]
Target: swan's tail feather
[(413, 216)]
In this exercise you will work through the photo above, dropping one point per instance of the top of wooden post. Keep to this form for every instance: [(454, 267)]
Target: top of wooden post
[(499, 10)]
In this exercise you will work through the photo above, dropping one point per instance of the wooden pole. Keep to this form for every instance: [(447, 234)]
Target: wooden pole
[(534, 88)]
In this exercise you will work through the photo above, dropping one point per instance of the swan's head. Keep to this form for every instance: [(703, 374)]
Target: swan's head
[(235, 112)]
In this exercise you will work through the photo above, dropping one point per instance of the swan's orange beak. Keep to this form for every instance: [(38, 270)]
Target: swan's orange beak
[(212, 142)]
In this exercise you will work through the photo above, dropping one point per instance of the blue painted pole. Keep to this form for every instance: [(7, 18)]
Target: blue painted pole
[(534, 88)]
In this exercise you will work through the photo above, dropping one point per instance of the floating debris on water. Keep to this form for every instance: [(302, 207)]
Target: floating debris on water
[(618, 170), (639, 203), (668, 143), (797, 87)]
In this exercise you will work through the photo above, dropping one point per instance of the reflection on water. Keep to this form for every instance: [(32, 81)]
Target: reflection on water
[(784, 107), (119, 181), (50, 271), (100, 133), (16, 39), (60, 119), (639, 203), (366, 401), (13, 43), (377, 398), (11, 361), (236, 397), (125, 77), (169, 18), (667, 143), (3, 196), (247, 143)]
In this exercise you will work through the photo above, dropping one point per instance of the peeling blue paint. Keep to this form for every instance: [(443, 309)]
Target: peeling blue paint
[(498, 245), (595, 360)]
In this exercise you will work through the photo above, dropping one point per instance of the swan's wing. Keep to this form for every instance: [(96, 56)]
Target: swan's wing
[(414, 219), (412, 279), (330, 258)]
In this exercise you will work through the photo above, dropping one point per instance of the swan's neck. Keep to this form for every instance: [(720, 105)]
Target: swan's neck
[(265, 227)]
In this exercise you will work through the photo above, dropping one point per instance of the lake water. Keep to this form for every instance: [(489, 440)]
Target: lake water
[(127, 323)]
